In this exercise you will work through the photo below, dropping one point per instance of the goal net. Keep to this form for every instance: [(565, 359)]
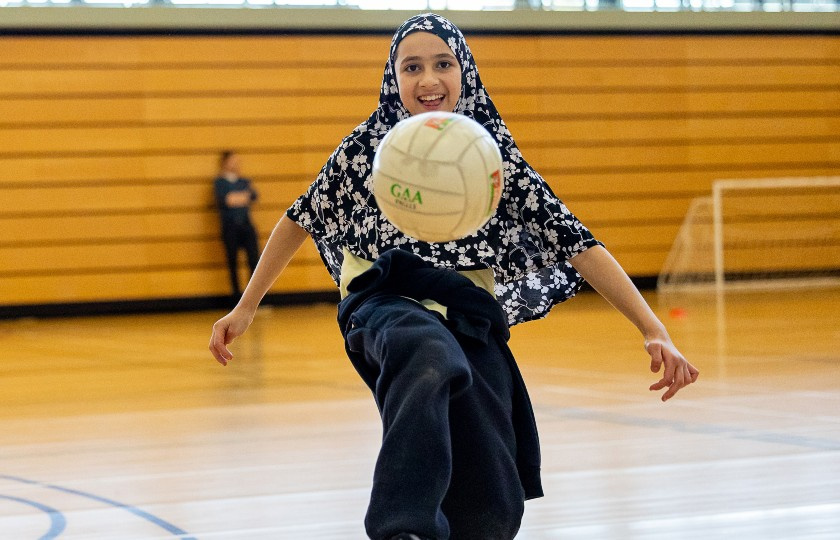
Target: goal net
[(758, 234)]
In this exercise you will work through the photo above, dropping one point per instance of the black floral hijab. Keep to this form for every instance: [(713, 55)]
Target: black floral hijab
[(526, 243)]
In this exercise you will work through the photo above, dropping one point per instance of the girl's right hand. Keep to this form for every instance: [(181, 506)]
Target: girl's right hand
[(226, 329)]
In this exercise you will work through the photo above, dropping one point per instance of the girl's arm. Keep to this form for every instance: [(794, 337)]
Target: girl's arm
[(285, 240), (602, 271)]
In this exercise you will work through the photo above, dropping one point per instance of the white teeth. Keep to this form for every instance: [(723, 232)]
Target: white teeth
[(430, 98)]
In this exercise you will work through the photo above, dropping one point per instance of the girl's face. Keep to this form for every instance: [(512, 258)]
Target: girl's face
[(428, 74)]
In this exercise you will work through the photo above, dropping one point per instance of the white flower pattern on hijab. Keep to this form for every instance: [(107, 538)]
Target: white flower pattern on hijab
[(527, 242)]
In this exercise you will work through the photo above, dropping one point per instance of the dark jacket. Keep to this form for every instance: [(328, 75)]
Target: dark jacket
[(230, 215)]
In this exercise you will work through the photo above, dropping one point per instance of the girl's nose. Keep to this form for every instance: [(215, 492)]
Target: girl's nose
[(428, 80)]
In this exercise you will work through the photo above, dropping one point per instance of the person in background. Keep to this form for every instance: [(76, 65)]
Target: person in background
[(234, 197)]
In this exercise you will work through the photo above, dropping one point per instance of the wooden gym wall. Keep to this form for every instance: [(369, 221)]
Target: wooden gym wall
[(108, 144)]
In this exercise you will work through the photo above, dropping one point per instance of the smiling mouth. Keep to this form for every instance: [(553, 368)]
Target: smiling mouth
[(431, 101)]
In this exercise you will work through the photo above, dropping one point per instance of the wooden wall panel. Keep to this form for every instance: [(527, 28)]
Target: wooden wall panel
[(528, 131), (197, 50), (158, 139), (150, 283), (108, 144), (609, 50), (523, 103), (360, 79), (120, 81)]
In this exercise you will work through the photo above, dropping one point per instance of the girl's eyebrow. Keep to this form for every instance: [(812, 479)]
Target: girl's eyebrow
[(448, 56)]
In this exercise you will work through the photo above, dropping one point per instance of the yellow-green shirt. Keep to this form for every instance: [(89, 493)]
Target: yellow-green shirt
[(353, 266)]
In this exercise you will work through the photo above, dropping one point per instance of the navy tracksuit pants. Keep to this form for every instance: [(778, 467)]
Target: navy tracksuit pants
[(238, 236), (447, 466)]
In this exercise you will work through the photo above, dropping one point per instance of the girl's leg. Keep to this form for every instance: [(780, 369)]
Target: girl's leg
[(414, 365), (485, 500)]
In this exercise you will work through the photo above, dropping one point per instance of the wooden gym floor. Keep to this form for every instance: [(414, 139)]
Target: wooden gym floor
[(125, 428)]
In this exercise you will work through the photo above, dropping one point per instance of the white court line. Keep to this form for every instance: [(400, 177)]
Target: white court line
[(718, 430), (643, 373), (685, 522), (704, 465), (707, 403), (722, 386), (587, 392), (337, 530), (216, 471)]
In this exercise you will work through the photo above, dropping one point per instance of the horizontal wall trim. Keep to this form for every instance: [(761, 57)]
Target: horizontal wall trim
[(728, 168), (205, 180), (158, 305), (161, 152), (707, 167), (489, 64), (702, 115), (202, 303), (502, 91), (597, 223), (119, 241), (140, 269), (355, 120), (305, 180), (81, 20), (351, 121), (557, 144)]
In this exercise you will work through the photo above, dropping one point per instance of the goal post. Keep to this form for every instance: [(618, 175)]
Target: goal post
[(689, 264), (752, 234)]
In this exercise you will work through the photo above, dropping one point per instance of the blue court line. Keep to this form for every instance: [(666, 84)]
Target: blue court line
[(732, 432), (177, 531), (57, 520)]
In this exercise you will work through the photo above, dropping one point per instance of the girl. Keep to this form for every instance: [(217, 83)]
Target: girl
[(426, 325)]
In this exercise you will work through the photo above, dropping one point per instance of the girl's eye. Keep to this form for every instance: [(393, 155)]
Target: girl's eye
[(411, 68), (445, 64)]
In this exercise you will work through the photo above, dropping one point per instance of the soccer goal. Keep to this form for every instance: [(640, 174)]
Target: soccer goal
[(758, 234)]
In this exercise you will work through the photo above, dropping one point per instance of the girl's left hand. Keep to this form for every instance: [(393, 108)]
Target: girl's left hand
[(678, 372)]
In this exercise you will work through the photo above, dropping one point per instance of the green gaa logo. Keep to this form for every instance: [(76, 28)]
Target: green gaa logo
[(405, 197)]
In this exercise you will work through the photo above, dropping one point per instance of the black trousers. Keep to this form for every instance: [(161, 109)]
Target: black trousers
[(447, 466), (238, 236)]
